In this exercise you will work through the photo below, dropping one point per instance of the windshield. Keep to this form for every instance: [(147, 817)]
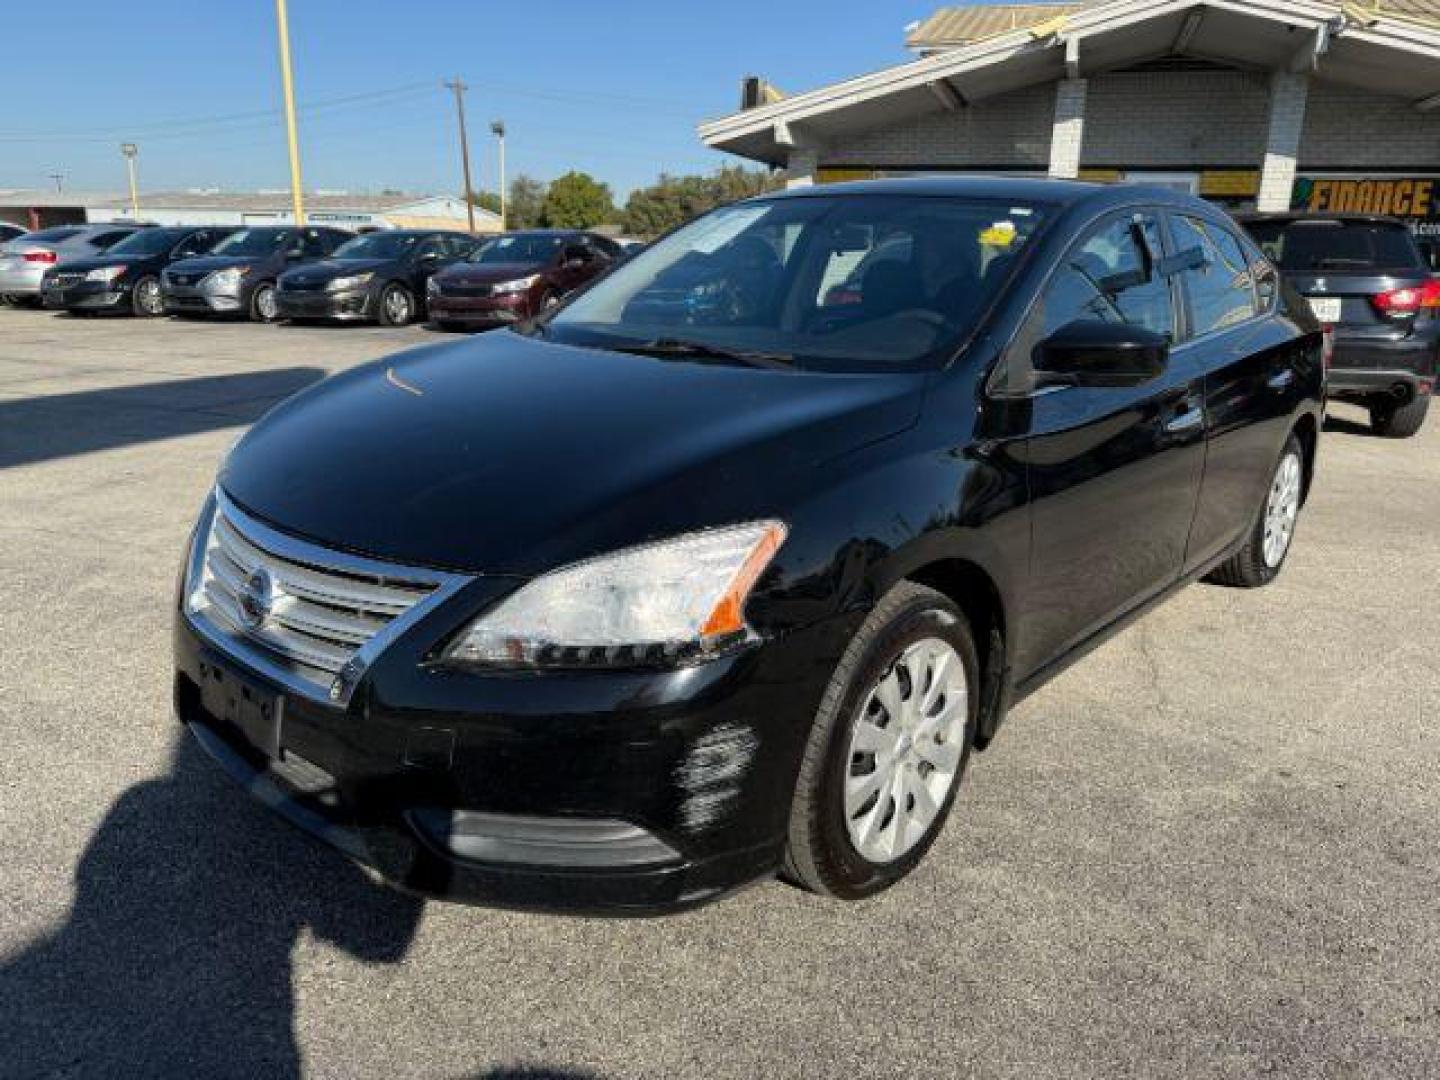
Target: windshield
[(836, 283), (149, 242), (1308, 247), (252, 242), (518, 249), (377, 245)]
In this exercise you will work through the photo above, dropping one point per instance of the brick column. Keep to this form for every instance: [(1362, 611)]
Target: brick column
[(1068, 133), (801, 168), (1288, 93)]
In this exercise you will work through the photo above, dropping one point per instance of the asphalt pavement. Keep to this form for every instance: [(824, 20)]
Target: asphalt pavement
[(1211, 849)]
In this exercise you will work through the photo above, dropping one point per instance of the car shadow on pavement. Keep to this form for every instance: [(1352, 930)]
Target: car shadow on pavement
[(176, 957), (51, 426)]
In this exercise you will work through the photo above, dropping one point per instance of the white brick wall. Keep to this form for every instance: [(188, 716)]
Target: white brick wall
[(1068, 133), (1352, 129)]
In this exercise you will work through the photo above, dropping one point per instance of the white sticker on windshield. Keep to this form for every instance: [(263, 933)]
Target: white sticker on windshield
[(714, 233)]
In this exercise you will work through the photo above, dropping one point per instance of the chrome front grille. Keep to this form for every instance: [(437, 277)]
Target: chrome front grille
[(313, 617)]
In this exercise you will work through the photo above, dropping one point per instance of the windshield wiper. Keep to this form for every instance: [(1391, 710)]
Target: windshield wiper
[(700, 350)]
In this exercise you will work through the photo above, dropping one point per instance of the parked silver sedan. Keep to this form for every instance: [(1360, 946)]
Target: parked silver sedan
[(24, 260)]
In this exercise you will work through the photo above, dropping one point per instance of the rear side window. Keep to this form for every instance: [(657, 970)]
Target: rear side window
[(1215, 273), (1312, 247), (106, 240)]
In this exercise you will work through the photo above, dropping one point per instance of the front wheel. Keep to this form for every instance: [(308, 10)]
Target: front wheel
[(888, 748), (1400, 421), (263, 306), (397, 306), (146, 299), (1260, 560)]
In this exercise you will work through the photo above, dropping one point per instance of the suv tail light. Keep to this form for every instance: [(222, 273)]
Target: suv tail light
[(49, 258), (1409, 300)]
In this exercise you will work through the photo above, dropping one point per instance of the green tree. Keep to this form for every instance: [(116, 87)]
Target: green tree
[(577, 201), (674, 200), (527, 201), (487, 200)]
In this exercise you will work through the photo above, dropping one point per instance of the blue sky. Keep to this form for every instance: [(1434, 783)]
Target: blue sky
[(613, 87)]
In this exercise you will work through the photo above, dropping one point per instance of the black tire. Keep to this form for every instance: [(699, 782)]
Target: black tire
[(1249, 568), (146, 300), (1400, 421), (820, 855), (262, 303), (395, 306)]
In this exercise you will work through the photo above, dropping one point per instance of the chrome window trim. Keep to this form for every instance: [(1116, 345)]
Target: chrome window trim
[(242, 648)]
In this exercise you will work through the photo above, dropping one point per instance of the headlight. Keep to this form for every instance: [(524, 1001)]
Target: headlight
[(518, 285), (354, 281), (105, 273), (227, 278), (660, 602)]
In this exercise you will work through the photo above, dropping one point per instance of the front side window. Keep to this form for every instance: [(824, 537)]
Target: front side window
[(1112, 276), (1215, 274), (824, 282)]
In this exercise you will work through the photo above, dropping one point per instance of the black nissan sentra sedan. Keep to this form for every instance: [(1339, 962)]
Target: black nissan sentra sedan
[(716, 570), (380, 277), (238, 276)]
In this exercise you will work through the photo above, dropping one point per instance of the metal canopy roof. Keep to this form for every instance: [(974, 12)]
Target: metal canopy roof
[(1380, 53)]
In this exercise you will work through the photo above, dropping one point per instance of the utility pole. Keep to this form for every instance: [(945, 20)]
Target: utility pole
[(460, 88), (297, 197), (497, 128), (130, 152), (59, 178)]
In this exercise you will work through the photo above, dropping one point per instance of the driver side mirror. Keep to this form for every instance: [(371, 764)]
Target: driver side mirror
[(1092, 352)]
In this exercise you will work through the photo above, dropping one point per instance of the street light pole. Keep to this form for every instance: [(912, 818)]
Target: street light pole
[(459, 88), (130, 152), (497, 127), (287, 78)]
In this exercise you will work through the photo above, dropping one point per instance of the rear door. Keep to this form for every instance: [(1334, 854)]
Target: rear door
[(1246, 357), (1113, 473), (1361, 276)]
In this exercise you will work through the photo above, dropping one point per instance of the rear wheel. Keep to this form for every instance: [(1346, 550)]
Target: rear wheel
[(1400, 421), (146, 299), (888, 748), (1260, 560), (263, 307), (397, 306)]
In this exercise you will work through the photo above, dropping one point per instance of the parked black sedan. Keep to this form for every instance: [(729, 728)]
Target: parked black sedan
[(126, 278), (380, 276), (238, 276), (659, 594)]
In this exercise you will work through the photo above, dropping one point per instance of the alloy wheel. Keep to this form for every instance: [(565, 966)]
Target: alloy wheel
[(147, 293), (265, 304), (397, 307), (906, 748), (1282, 507)]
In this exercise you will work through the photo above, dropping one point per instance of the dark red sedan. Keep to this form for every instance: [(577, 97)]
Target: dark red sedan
[(516, 276)]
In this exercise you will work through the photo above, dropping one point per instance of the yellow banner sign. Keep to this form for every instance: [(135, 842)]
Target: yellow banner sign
[(1407, 197)]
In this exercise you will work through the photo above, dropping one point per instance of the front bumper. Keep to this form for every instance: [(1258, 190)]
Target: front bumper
[(181, 299), (488, 310), (86, 296), (702, 760), (314, 304)]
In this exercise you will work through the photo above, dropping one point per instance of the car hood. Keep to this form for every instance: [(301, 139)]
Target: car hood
[(508, 455), (208, 264), (488, 273), (95, 262), (328, 269)]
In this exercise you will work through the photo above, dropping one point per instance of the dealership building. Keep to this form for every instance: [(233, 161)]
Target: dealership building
[(37, 209), (1253, 103)]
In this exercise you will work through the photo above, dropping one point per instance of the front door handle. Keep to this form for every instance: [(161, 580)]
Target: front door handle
[(1185, 421), (1281, 380)]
